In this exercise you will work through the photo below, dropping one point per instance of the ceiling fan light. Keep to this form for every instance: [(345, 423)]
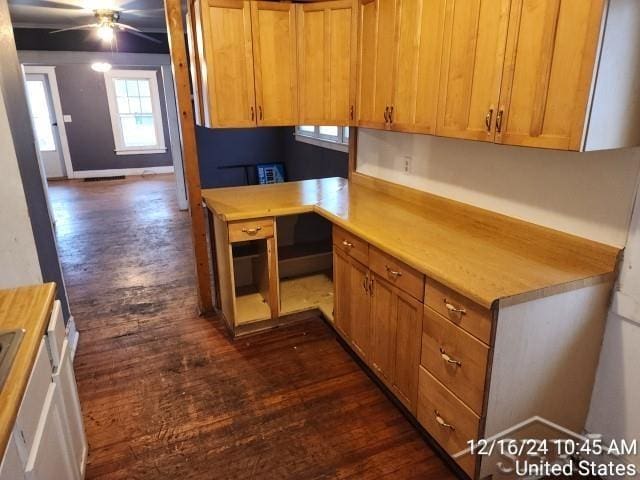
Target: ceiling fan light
[(100, 67), (105, 33)]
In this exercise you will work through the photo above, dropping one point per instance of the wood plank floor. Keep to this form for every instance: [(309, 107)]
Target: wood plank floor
[(166, 394)]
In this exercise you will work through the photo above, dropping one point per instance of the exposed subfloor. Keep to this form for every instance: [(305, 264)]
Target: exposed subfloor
[(166, 394)]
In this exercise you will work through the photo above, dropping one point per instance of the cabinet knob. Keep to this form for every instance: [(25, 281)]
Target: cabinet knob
[(487, 119), (453, 309), (394, 273), (450, 360), (441, 421), (252, 231), (499, 121)]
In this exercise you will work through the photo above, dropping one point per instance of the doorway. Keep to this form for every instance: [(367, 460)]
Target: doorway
[(46, 116)]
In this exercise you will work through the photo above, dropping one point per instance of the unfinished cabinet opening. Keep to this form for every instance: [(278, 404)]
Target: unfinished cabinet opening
[(252, 285), (305, 264)]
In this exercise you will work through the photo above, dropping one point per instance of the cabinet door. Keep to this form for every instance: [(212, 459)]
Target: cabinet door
[(409, 312), (548, 72), (475, 33), (275, 62), (359, 307), (228, 63), (67, 390), (51, 457), (341, 298), (326, 66), (417, 66), (11, 466), (377, 20), (383, 329)]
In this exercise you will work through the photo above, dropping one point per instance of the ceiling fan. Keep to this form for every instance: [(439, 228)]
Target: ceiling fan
[(107, 24)]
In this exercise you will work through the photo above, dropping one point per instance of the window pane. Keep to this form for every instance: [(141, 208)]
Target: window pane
[(134, 105), (345, 134), (138, 130), (39, 106), (132, 88), (145, 104), (307, 128), (121, 88), (123, 105), (329, 131), (143, 88)]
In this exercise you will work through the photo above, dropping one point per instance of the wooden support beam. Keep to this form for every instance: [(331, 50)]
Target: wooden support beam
[(177, 47)]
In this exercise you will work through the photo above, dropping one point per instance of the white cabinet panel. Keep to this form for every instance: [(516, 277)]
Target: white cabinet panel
[(34, 397), (50, 458), (65, 381), (12, 467), (56, 334)]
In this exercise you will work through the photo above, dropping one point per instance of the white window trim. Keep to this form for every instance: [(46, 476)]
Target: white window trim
[(319, 140), (121, 148)]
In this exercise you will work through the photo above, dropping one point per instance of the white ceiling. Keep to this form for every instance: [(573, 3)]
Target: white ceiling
[(143, 14)]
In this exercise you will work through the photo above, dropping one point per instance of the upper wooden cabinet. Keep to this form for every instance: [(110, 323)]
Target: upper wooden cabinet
[(327, 62), (275, 62), (227, 63), (376, 61), (400, 51), (548, 72), (247, 63), (471, 70)]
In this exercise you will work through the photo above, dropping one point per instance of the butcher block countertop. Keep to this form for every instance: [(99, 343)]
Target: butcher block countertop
[(488, 257), (27, 308)]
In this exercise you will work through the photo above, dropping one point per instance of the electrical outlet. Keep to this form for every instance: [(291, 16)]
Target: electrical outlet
[(407, 159)]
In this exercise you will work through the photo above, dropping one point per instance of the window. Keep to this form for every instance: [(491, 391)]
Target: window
[(134, 105), (329, 136)]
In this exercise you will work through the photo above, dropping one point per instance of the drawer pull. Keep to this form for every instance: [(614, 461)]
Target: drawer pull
[(347, 243), (452, 361), (395, 273), (453, 309), (251, 231), (442, 422)]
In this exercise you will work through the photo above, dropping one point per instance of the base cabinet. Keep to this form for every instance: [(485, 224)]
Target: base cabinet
[(48, 440), (382, 322)]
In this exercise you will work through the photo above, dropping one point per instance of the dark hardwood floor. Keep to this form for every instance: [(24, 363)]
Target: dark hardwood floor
[(166, 394)]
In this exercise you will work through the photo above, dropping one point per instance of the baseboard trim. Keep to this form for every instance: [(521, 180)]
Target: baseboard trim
[(73, 335), (122, 171)]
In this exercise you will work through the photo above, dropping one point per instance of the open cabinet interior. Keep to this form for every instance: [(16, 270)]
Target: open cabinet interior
[(251, 275), (305, 264)]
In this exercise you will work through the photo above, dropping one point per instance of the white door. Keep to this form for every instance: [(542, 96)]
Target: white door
[(44, 125)]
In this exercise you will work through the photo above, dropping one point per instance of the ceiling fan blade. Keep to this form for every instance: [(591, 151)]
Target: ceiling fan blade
[(149, 12), (142, 35), (124, 26), (79, 27), (51, 4)]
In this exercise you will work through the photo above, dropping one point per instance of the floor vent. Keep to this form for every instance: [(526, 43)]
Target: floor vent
[(102, 179)]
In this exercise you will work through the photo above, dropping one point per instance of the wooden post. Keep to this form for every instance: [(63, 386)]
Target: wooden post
[(177, 47)]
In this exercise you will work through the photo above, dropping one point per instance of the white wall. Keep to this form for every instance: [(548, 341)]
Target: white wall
[(19, 263), (587, 194)]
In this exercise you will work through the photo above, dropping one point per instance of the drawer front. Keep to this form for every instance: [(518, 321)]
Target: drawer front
[(56, 334), (397, 273), (250, 229), (460, 310), (449, 421), (454, 357), (351, 245)]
